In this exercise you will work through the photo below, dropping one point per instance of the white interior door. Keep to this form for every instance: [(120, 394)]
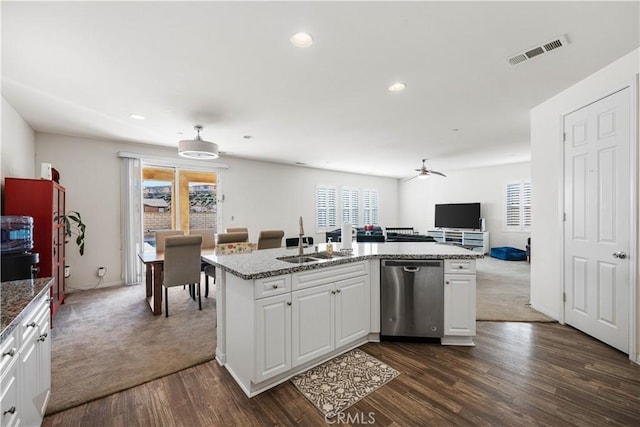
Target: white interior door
[(598, 220)]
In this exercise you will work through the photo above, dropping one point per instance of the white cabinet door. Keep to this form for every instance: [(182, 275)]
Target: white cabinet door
[(460, 304), (10, 404), (352, 309), (44, 364), (273, 336), (28, 381), (312, 322)]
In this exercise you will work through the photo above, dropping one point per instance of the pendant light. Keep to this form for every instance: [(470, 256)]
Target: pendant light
[(198, 148)]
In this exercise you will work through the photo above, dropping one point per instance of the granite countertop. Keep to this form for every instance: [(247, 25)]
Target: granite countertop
[(264, 263), (15, 299)]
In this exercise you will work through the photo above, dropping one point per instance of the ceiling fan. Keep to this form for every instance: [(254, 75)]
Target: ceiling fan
[(424, 173)]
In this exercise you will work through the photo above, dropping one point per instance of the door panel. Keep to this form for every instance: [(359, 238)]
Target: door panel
[(597, 208)]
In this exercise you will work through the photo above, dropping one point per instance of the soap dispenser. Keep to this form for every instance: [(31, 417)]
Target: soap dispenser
[(330, 247)]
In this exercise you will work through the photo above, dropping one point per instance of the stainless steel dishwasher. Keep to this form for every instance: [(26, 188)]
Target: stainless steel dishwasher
[(412, 298)]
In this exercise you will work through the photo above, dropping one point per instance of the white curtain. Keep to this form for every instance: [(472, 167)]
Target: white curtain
[(131, 202)]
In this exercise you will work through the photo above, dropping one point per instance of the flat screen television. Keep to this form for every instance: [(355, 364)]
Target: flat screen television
[(458, 215)]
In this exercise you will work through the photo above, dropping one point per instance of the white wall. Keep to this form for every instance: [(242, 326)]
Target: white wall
[(257, 195), (485, 185), (546, 171), (18, 145)]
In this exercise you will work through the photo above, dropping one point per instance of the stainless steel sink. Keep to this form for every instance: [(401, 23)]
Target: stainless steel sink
[(326, 255), (314, 257), (295, 259)]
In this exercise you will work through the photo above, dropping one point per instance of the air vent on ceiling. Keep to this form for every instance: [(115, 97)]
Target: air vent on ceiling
[(538, 50)]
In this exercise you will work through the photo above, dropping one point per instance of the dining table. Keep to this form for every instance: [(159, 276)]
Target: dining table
[(154, 263)]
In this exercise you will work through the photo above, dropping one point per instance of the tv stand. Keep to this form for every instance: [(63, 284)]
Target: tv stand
[(477, 241)]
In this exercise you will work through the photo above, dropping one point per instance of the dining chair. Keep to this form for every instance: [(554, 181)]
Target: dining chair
[(234, 248), (161, 235), (236, 230), (269, 239), (181, 265), (208, 242), (233, 237)]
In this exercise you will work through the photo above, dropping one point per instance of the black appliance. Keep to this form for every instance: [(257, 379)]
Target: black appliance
[(17, 261)]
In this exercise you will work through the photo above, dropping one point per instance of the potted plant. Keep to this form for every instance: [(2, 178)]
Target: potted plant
[(74, 227)]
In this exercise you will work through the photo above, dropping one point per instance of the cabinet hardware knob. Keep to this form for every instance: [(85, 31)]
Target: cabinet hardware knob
[(11, 353), (31, 325), (288, 302), (43, 337), (460, 266), (275, 286), (333, 292), (338, 291), (447, 282), (11, 410)]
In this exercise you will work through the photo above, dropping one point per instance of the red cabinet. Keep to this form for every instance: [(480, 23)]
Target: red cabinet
[(44, 201)]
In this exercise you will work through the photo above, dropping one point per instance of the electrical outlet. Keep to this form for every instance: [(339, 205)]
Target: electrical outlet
[(102, 271)]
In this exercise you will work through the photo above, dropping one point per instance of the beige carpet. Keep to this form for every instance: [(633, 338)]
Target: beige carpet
[(108, 340), (341, 382), (502, 292)]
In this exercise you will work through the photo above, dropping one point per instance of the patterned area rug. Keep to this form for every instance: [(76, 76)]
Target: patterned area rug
[(339, 383)]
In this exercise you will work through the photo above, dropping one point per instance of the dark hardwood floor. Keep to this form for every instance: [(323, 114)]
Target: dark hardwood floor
[(518, 374)]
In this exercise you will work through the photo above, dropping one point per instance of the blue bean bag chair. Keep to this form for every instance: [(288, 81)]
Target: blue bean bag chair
[(508, 253)]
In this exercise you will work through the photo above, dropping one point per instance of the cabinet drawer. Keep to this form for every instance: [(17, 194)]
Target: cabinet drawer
[(321, 276), (452, 266), (271, 286), (32, 321)]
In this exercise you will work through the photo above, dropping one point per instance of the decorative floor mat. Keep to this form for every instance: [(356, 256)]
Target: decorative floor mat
[(339, 383)]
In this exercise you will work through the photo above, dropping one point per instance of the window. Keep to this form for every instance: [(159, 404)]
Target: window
[(350, 199), (518, 206), (370, 207), (326, 208)]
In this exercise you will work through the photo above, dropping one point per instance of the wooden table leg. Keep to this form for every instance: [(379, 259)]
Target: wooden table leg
[(154, 287), (157, 289), (149, 279)]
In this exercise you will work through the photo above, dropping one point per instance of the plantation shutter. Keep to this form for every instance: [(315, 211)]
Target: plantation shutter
[(326, 208), (350, 199), (370, 207), (517, 216)]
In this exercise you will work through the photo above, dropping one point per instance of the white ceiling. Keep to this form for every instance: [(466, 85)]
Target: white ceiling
[(80, 68)]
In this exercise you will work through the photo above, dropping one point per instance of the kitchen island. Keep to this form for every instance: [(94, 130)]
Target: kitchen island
[(278, 315)]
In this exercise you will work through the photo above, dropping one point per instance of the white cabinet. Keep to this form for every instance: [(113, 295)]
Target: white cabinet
[(313, 322), (459, 302), (273, 336), (352, 310), (478, 241), (9, 394), (330, 310), (26, 369), (273, 332), (327, 317)]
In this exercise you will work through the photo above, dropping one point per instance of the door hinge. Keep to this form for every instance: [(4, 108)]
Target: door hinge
[(564, 216), (564, 137), (564, 297)]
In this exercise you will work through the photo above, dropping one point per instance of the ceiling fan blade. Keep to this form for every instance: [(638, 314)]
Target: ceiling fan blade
[(438, 173)]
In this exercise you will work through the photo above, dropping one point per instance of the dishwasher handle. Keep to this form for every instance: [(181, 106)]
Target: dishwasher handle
[(411, 269)]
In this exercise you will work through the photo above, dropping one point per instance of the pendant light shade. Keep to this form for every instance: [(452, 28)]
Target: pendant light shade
[(198, 148)]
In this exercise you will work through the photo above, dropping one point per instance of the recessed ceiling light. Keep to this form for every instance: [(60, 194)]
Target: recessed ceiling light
[(455, 130), (247, 137), (136, 116), (301, 39), (398, 87)]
